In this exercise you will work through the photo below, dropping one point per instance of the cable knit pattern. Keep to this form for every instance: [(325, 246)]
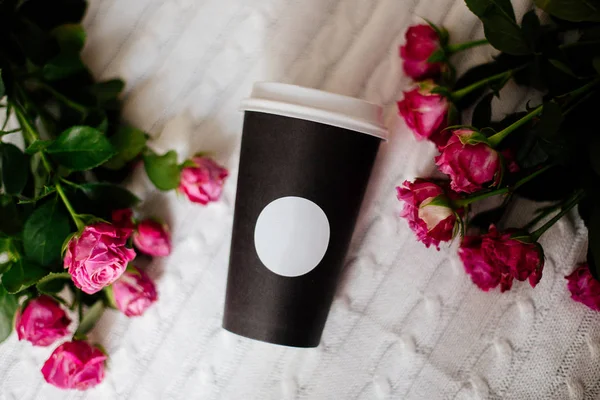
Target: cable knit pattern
[(406, 323)]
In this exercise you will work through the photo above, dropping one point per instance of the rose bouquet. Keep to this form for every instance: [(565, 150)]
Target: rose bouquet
[(69, 236), (548, 152)]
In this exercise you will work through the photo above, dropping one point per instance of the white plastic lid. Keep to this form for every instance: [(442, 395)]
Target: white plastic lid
[(317, 106)]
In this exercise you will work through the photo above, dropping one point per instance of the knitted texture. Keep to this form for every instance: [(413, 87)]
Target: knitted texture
[(407, 323)]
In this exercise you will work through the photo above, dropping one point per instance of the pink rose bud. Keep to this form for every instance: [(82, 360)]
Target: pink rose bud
[(431, 223), (75, 365), (42, 321), (584, 287), (152, 238), (98, 256), (498, 258), (426, 113), (203, 183), (134, 292), (123, 218), (421, 42), (471, 167)]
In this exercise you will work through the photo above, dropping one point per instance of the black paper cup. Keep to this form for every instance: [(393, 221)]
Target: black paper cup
[(305, 162)]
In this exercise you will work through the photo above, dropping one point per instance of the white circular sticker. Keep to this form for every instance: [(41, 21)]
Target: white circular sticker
[(291, 236)]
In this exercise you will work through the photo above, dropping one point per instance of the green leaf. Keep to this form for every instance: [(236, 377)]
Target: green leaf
[(596, 64), (62, 66), (444, 91), (38, 145), (572, 10), (46, 191), (499, 25), (482, 114), (45, 231), (163, 171), (442, 33), (530, 26), (34, 42), (108, 90), (8, 308), (81, 148), (70, 37), (89, 320), (22, 275), (53, 282), (437, 56), (4, 267), (10, 221), (559, 65), (106, 194), (441, 201), (474, 75), (129, 143), (2, 87), (474, 138), (14, 168), (480, 7)]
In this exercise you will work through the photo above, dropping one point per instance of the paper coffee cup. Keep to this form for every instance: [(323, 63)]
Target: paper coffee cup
[(305, 162)]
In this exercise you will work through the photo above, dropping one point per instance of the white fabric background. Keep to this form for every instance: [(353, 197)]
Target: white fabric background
[(407, 323)]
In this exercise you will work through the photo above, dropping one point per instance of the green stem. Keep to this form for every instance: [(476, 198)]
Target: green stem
[(2, 132), (455, 48), (459, 94), (80, 225), (73, 184), (572, 202), (542, 214), (31, 133), (571, 107), (480, 196), (33, 136), (75, 106), (495, 139), (582, 89), (77, 302)]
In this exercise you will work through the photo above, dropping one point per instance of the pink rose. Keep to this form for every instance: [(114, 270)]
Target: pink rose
[(134, 292), (421, 42), (584, 287), (123, 219), (426, 113), (42, 321), (484, 275), (521, 259), (75, 365), (431, 223), (470, 166), (152, 238), (98, 256), (203, 183), (497, 258)]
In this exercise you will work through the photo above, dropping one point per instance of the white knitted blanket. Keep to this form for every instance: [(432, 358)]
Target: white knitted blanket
[(407, 323)]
